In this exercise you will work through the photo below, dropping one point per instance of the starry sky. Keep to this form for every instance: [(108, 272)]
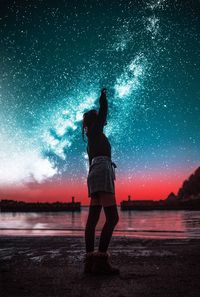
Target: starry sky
[(55, 56)]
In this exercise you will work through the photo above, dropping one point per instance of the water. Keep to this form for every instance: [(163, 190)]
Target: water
[(143, 224)]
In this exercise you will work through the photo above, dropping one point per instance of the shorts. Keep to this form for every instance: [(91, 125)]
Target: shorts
[(101, 176)]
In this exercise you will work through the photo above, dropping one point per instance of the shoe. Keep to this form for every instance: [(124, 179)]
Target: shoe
[(88, 262), (101, 264)]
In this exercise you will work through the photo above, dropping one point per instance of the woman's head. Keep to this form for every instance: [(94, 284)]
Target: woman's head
[(89, 118)]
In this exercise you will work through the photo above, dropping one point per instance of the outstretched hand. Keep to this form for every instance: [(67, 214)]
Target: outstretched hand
[(103, 91)]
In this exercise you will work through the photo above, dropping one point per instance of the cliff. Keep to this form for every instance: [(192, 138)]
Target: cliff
[(191, 187)]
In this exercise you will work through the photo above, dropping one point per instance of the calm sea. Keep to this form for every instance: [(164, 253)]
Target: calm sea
[(143, 224)]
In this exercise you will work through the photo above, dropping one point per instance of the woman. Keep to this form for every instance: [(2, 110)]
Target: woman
[(101, 189)]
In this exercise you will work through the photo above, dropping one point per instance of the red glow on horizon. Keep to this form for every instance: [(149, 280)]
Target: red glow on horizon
[(141, 188)]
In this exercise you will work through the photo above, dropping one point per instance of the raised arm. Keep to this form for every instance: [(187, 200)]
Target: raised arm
[(103, 110)]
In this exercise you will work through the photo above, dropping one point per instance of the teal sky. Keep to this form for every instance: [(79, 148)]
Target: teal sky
[(55, 57)]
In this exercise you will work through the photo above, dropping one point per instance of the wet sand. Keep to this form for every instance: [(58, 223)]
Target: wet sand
[(53, 266)]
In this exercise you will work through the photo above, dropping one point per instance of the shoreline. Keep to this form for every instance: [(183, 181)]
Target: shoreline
[(79, 233), (53, 266)]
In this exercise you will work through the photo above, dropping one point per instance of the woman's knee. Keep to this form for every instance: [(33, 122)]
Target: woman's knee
[(93, 216), (116, 219), (113, 219), (91, 223), (90, 227)]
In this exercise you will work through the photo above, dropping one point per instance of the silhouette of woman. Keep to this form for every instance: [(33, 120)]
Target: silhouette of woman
[(101, 190)]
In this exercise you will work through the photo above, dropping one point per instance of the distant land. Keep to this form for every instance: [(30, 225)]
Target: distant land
[(187, 198), (21, 206)]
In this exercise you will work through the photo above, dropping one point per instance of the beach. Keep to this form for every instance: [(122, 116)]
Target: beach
[(53, 266)]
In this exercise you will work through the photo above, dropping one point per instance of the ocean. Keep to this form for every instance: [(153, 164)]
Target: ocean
[(139, 224)]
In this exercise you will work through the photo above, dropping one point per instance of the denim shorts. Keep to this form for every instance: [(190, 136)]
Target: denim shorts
[(101, 175)]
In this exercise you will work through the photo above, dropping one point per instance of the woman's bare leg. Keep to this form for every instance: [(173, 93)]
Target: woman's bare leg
[(92, 220), (112, 218)]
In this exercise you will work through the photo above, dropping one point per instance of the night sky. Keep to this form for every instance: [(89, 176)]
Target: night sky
[(55, 56)]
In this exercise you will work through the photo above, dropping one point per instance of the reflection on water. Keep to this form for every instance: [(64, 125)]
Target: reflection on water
[(148, 224)]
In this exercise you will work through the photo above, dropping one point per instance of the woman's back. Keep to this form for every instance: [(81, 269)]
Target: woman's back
[(98, 143)]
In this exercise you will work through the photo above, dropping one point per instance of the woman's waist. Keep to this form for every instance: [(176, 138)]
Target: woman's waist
[(100, 159)]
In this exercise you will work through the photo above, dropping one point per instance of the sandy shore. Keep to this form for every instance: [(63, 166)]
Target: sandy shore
[(53, 266)]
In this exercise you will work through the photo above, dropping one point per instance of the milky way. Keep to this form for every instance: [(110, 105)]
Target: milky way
[(55, 58)]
